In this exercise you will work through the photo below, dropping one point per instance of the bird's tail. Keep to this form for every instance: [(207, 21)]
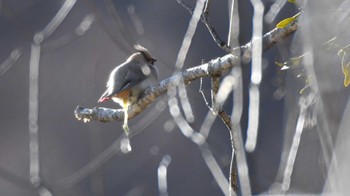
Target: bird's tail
[(104, 97)]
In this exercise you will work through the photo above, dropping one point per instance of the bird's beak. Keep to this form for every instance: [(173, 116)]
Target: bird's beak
[(153, 60)]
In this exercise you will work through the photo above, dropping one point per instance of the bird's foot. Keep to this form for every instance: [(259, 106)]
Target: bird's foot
[(126, 129)]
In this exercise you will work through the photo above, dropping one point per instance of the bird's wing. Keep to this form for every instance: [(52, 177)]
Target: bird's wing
[(115, 82), (132, 78), (125, 78)]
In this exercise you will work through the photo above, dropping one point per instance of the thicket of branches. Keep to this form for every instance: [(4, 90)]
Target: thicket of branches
[(315, 65), (223, 84)]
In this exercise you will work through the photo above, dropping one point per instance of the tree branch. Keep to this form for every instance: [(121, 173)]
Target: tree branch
[(215, 83), (214, 67), (269, 40)]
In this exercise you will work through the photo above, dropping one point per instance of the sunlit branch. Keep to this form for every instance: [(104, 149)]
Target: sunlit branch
[(216, 66), (214, 167), (186, 43), (274, 10), (256, 76), (162, 175), (9, 61), (33, 110), (304, 103), (232, 40)]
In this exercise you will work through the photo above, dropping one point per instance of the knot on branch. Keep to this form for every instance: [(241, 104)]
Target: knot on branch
[(213, 71)]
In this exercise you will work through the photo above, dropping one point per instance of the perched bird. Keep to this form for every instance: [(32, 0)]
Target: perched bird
[(128, 81)]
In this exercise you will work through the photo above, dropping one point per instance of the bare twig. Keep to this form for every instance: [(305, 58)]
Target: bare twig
[(206, 7), (202, 93), (215, 83), (205, 19), (233, 168), (226, 119), (11, 60)]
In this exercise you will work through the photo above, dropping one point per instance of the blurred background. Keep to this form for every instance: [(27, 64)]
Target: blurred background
[(75, 58)]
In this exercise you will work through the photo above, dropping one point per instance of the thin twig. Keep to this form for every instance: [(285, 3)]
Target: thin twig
[(215, 84), (269, 39), (206, 7), (202, 93), (233, 168), (226, 120), (205, 19)]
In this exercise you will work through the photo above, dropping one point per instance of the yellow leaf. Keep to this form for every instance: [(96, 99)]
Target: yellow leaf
[(346, 72), (285, 22), (343, 66), (292, 1), (346, 81), (295, 61), (279, 64)]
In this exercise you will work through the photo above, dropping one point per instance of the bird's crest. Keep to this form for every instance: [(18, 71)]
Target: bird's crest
[(145, 53)]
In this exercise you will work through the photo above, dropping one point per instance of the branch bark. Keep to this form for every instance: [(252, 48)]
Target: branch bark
[(214, 67)]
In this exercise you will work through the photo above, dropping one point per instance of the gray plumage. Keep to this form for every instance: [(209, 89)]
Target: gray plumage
[(133, 76)]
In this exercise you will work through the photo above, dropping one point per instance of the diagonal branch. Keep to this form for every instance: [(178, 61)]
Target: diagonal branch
[(216, 66), (205, 19)]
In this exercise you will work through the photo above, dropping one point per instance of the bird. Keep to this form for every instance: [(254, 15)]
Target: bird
[(128, 80)]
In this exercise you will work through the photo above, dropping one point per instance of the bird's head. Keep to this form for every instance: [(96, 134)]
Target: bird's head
[(146, 55)]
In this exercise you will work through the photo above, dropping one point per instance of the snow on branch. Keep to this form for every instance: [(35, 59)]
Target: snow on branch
[(214, 67)]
